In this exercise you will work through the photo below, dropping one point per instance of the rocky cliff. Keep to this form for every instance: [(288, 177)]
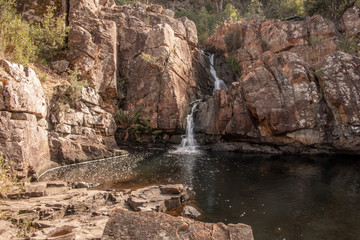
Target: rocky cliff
[(299, 88), (134, 60)]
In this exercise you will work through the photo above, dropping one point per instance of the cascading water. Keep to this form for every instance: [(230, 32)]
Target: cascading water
[(218, 84), (188, 143)]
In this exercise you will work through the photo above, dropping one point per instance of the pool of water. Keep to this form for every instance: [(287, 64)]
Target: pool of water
[(280, 197)]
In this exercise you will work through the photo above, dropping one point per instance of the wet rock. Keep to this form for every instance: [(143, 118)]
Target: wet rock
[(190, 212), (159, 199), (150, 225)]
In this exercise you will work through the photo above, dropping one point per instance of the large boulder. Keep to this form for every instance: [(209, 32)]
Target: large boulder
[(150, 225), (23, 126)]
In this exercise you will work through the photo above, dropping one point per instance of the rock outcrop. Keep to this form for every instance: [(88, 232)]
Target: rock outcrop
[(53, 210), (139, 53), (81, 129), (36, 135), (159, 198), (23, 125), (298, 90), (150, 225)]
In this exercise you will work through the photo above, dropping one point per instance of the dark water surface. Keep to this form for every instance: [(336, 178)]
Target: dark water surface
[(280, 197)]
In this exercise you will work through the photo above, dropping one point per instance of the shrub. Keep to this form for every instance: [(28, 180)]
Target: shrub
[(234, 65), (25, 42), (349, 45), (67, 96), (15, 34), (50, 34)]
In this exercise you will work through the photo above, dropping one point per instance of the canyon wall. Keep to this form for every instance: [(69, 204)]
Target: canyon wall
[(299, 88), (130, 60)]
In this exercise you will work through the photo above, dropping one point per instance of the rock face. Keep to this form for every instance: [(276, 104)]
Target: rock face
[(35, 134), (298, 87), (81, 130), (23, 125), (150, 225), (149, 51), (136, 56)]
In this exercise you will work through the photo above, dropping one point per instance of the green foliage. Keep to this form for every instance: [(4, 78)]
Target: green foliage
[(230, 11), (15, 34), (234, 39), (205, 22), (282, 9), (25, 42), (25, 227), (332, 9), (135, 126), (234, 65), (67, 96), (255, 8), (7, 181), (349, 45), (49, 35)]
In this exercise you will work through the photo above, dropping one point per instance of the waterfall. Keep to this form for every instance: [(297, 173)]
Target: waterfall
[(218, 84), (188, 143)]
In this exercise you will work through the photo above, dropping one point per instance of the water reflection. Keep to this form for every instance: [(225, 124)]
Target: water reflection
[(291, 197), (281, 197)]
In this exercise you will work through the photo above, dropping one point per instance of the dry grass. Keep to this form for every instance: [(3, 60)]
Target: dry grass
[(48, 78)]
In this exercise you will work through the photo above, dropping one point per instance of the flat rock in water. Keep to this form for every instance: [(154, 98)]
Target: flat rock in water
[(124, 224), (159, 199)]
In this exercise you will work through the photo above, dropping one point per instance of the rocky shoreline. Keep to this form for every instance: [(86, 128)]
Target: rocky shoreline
[(53, 210)]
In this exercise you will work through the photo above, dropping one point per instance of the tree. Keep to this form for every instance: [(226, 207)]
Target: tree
[(332, 9), (230, 12), (282, 9), (255, 8)]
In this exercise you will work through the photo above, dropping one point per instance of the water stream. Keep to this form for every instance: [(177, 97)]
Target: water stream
[(188, 143), (218, 84)]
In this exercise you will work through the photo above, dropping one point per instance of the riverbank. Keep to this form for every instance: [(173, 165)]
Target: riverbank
[(54, 210)]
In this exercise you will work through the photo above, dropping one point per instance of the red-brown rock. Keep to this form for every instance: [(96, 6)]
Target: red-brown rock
[(149, 225)]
